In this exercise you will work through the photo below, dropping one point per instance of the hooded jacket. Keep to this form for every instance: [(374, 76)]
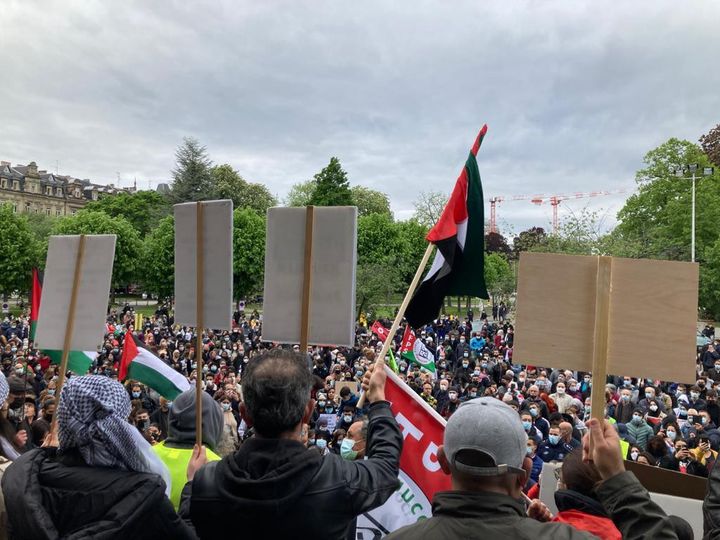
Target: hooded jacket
[(278, 489), (49, 496), (585, 514)]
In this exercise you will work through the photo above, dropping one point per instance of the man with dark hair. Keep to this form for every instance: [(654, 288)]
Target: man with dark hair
[(273, 485), (484, 451)]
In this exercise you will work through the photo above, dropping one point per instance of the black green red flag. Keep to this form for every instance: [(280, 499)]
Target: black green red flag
[(459, 235)]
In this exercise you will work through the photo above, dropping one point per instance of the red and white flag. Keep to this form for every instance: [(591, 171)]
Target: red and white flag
[(380, 331), (420, 474)]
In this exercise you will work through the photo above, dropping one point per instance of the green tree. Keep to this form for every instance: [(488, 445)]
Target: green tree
[(40, 226), (370, 201), (248, 252), (300, 194), (496, 243), (158, 267), (412, 237), (376, 281), (499, 276), (332, 187), (143, 209), (22, 251), (379, 238), (192, 180), (228, 184), (710, 143), (428, 207), (531, 239), (128, 246)]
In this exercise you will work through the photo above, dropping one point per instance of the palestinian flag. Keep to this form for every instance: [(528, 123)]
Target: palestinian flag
[(35, 294), (79, 362), (141, 365), (459, 235), (414, 350)]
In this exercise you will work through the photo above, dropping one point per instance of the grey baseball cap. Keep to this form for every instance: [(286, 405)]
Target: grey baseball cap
[(485, 437)]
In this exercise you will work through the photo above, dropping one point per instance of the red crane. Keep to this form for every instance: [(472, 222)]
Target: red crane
[(554, 201)]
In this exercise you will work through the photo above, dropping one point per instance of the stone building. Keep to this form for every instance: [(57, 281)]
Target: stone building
[(32, 191)]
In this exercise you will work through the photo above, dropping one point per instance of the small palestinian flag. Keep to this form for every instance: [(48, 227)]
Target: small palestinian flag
[(79, 362), (141, 365), (459, 235), (35, 294), (414, 350)]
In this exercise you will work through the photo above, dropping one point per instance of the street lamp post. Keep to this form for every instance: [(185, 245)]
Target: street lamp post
[(680, 172)]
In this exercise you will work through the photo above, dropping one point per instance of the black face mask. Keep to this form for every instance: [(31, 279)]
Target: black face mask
[(17, 403)]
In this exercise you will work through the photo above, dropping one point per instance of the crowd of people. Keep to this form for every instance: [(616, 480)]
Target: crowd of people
[(673, 425)]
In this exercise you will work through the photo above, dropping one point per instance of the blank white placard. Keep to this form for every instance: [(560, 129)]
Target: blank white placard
[(92, 296), (332, 303), (217, 257)]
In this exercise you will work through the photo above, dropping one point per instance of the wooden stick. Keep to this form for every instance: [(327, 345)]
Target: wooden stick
[(600, 347), (199, 323), (69, 326), (307, 280), (401, 313)]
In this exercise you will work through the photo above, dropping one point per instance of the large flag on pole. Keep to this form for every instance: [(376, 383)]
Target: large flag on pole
[(420, 474), (414, 350), (35, 294), (140, 364), (459, 235)]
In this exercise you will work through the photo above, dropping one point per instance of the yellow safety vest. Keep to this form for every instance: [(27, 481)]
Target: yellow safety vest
[(176, 460)]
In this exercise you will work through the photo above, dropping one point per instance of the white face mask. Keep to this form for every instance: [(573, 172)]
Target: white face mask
[(634, 455)]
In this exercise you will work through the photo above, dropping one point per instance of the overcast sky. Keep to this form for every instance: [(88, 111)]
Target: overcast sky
[(574, 93)]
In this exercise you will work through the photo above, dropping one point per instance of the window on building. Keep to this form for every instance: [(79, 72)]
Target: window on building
[(3, 183), (58, 192), (16, 184), (48, 211), (27, 207), (77, 193), (58, 213), (14, 208), (48, 190)]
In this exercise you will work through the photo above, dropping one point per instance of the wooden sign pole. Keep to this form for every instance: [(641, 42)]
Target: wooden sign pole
[(199, 323), (307, 280), (69, 325), (601, 341), (401, 313)]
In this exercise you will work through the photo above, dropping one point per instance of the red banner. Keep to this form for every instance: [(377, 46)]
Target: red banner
[(420, 474)]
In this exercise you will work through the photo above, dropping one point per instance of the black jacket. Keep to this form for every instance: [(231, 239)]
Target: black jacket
[(50, 497), (278, 489), (464, 514)]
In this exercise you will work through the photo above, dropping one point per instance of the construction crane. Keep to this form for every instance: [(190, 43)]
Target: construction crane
[(554, 201)]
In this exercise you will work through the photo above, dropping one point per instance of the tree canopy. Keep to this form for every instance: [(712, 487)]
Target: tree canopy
[(300, 194), (370, 201), (158, 269), (143, 209), (428, 207), (332, 187), (248, 252), (192, 180), (228, 184), (22, 251), (128, 246), (710, 143)]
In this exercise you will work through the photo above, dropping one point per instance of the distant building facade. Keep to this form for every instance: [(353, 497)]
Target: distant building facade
[(34, 191)]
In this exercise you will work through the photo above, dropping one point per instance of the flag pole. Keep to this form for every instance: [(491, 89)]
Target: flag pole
[(380, 360), (307, 280), (199, 323), (69, 327)]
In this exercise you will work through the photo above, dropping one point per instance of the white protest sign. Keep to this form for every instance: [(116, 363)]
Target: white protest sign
[(334, 256), (92, 293), (217, 260)]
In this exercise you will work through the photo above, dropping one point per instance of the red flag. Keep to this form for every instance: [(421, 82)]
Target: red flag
[(408, 341), (379, 330), (420, 474)]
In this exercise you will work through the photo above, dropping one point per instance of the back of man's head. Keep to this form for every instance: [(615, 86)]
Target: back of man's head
[(485, 445), (276, 389)]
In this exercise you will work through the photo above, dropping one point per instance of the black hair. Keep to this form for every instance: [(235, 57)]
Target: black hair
[(276, 387)]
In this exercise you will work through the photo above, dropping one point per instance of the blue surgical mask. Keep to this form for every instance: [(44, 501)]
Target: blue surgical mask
[(554, 439), (321, 443), (136, 395), (703, 420), (527, 425), (637, 420), (533, 412), (51, 392), (346, 449), (671, 435), (528, 450)]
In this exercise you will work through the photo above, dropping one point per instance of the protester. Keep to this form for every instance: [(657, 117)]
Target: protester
[(484, 451), (176, 451), (272, 484), (102, 481)]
